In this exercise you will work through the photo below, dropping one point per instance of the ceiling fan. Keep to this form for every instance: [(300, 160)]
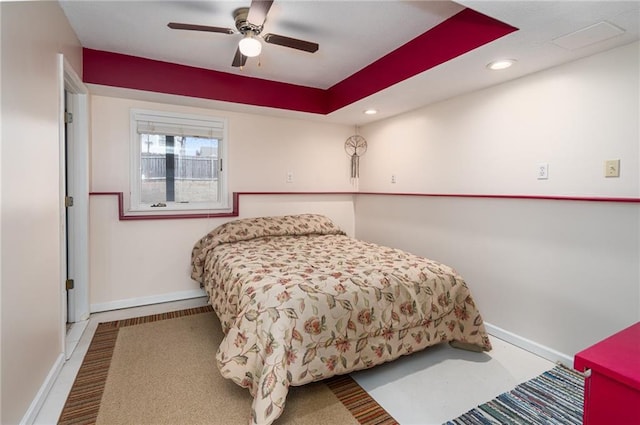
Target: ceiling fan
[(249, 23)]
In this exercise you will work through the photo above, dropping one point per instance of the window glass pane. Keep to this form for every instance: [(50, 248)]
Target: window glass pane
[(179, 169)]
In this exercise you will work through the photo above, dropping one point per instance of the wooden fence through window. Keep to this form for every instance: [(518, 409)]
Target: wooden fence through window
[(154, 166)]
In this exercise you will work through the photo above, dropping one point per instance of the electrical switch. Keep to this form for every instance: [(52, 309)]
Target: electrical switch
[(612, 168)]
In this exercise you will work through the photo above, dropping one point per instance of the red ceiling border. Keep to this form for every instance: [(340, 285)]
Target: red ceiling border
[(132, 72), (463, 32)]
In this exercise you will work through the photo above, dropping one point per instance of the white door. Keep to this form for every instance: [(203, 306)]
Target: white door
[(69, 208), (74, 170)]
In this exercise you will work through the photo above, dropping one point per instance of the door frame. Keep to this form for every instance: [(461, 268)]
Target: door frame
[(78, 135)]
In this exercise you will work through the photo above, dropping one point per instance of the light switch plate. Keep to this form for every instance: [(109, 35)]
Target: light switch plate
[(612, 168)]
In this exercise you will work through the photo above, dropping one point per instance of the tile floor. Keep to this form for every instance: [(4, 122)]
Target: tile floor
[(429, 387)]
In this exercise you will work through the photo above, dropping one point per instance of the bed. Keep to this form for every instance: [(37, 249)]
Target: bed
[(300, 301)]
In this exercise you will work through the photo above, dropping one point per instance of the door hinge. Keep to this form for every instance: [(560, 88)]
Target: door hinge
[(69, 284), (68, 201), (68, 117)]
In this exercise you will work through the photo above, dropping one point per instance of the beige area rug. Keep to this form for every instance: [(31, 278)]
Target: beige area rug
[(161, 369)]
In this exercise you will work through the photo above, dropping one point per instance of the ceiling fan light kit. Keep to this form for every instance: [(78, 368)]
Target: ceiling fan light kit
[(249, 22), (250, 46)]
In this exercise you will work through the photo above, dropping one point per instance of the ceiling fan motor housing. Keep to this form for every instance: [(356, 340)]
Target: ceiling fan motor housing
[(242, 24)]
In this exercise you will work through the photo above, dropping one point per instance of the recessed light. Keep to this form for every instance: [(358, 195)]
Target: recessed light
[(500, 64), (370, 111)]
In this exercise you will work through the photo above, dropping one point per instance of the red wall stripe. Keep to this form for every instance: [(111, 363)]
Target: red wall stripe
[(236, 201)]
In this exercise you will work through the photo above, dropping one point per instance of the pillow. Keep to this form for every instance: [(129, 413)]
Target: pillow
[(258, 227)]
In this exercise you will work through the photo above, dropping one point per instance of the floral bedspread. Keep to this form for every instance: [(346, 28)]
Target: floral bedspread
[(300, 301)]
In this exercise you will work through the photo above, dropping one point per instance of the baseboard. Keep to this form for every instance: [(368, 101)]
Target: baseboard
[(32, 412), (154, 299), (528, 345), (73, 337)]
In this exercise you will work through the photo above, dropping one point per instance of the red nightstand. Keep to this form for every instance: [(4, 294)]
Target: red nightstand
[(612, 391)]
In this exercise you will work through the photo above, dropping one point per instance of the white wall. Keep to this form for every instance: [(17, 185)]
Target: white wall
[(573, 117), (143, 261), (1, 136), (31, 255), (563, 274)]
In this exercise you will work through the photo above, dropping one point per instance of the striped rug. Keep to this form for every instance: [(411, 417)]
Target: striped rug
[(83, 403), (555, 397)]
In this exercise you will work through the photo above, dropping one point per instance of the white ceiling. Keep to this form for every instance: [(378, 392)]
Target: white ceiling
[(351, 35)]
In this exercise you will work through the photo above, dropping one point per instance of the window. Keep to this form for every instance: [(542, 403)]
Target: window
[(177, 162)]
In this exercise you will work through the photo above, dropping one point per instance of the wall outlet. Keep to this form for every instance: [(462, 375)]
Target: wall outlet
[(393, 178), (543, 170), (289, 176), (612, 168)]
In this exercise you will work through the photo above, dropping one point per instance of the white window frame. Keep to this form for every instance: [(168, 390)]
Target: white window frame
[(177, 120)]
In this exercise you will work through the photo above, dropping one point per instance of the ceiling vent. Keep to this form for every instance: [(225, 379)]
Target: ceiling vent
[(587, 36)]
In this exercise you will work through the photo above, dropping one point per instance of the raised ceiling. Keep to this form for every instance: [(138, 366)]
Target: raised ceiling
[(352, 36)]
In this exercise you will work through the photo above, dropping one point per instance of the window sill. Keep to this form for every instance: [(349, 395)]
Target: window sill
[(168, 209), (156, 214)]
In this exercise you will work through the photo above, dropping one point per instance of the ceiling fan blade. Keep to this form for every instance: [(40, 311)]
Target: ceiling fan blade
[(258, 11), (293, 43), (239, 59), (192, 27)]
